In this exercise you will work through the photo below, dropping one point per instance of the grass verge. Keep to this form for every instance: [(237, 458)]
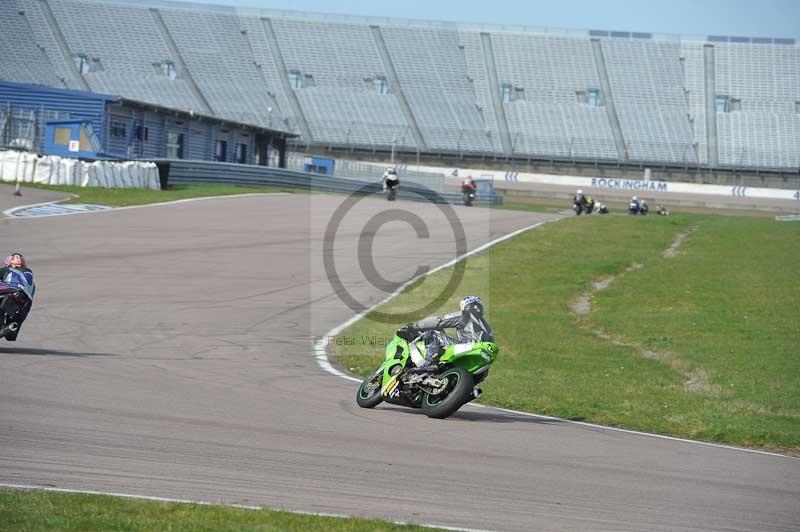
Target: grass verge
[(700, 345), (125, 197), (40, 510)]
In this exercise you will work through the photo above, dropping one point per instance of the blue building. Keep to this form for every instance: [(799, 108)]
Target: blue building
[(75, 123)]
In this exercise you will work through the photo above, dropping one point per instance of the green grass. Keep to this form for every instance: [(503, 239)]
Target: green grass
[(533, 207), (124, 197), (711, 335), (37, 510)]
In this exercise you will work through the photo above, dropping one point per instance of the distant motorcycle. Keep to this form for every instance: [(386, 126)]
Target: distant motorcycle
[(468, 190), (583, 208), (469, 197), (391, 189)]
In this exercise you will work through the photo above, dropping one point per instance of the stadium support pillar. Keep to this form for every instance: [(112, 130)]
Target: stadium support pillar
[(397, 89), (611, 110), (494, 89), (180, 64), (55, 29), (711, 105), (283, 73), (280, 143)]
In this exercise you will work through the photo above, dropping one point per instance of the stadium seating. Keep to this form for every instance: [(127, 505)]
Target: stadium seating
[(377, 83), (22, 59)]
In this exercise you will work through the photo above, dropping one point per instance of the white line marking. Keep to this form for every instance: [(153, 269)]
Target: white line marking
[(207, 503), (321, 356), (10, 212)]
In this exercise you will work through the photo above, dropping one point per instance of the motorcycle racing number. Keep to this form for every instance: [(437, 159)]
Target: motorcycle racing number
[(462, 348)]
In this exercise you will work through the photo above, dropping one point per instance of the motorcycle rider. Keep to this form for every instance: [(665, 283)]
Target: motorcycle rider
[(469, 323), (390, 178), (579, 199), (633, 206), (468, 187), (14, 308), (588, 203)]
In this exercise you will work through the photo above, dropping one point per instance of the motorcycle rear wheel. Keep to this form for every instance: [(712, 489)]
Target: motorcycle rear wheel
[(457, 392)]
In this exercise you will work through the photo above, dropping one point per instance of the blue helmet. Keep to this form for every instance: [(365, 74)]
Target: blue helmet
[(472, 304)]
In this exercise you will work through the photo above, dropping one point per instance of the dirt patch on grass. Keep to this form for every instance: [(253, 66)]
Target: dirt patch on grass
[(696, 379), (582, 305), (672, 250)]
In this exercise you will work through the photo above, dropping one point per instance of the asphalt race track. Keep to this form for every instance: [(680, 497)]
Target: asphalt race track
[(169, 354)]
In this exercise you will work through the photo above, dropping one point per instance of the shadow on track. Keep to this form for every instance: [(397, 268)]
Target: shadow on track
[(49, 352), (485, 416)]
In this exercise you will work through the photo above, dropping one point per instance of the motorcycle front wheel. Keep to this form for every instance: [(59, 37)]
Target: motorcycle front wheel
[(369, 393), (457, 391)]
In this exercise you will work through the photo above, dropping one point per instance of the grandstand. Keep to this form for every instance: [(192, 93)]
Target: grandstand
[(439, 89)]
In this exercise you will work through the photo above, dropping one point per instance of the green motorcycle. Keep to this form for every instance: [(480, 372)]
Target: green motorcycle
[(439, 394)]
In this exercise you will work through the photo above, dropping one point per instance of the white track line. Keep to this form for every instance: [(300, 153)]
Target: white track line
[(207, 503), (10, 212), (321, 355)]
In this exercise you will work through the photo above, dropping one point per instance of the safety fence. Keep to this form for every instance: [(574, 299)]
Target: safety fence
[(179, 172)]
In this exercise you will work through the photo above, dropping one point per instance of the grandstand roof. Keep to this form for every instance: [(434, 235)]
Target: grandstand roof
[(43, 89), (396, 21)]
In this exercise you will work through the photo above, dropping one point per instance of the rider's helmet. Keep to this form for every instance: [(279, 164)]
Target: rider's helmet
[(391, 170), (634, 198), (580, 192), (472, 304), (17, 258)]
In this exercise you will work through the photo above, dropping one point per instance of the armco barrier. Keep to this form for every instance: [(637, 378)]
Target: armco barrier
[(180, 172)]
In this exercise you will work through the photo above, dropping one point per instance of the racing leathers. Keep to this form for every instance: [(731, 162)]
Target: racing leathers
[(390, 180), (14, 308), (469, 327)]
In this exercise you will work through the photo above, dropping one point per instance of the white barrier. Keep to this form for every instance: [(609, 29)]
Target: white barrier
[(26, 167), (633, 185)]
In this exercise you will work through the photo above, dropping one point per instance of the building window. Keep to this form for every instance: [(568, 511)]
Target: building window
[(84, 143), (505, 92), (62, 136), (381, 85), (519, 93), (118, 129), (721, 103), (174, 145), (594, 98), (221, 150), (295, 79), (87, 64), (142, 133), (241, 153), (166, 68)]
